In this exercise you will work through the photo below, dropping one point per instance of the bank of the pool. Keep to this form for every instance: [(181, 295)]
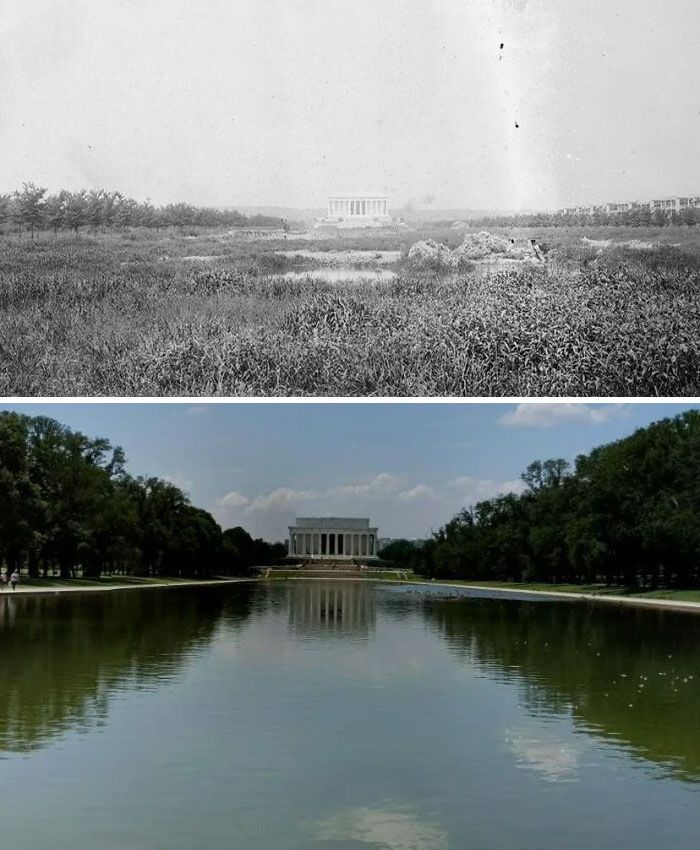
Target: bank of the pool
[(97, 587), (506, 590)]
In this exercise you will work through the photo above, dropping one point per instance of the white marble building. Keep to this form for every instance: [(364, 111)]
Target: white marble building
[(357, 211), (332, 539)]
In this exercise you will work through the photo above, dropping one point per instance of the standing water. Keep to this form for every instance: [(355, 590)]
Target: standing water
[(345, 716)]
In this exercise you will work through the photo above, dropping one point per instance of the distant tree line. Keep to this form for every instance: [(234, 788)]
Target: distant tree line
[(639, 217), (68, 506), (627, 514), (31, 210)]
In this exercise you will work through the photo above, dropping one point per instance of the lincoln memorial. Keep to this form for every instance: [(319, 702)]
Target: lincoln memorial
[(357, 211), (332, 539)]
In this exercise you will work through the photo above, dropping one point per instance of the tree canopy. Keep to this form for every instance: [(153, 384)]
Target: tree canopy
[(67, 504), (32, 209), (627, 513)]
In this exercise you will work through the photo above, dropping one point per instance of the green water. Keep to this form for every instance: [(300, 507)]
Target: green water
[(345, 716)]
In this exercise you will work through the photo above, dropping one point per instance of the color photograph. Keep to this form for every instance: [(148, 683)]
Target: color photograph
[(350, 626)]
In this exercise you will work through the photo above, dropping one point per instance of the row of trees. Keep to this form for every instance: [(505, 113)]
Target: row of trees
[(67, 504), (628, 513), (31, 209), (638, 217)]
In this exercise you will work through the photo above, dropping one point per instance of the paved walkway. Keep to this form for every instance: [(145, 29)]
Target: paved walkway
[(673, 604), (29, 590), (667, 604)]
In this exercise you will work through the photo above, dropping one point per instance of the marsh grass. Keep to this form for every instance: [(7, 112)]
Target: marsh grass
[(121, 316)]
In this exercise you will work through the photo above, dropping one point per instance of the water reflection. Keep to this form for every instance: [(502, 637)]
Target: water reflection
[(387, 826), (625, 674), (331, 608), (342, 275), (63, 657), (553, 759)]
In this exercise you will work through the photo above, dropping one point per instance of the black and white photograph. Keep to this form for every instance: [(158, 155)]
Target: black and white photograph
[(349, 198)]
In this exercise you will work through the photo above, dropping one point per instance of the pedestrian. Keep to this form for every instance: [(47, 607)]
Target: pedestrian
[(3, 579), (14, 578)]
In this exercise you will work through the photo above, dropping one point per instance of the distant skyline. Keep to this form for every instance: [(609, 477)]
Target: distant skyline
[(471, 104), (408, 467)]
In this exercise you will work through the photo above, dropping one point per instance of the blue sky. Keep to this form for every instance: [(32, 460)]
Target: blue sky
[(409, 467)]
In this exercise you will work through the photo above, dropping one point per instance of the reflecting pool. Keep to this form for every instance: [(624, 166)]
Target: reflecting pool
[(344, 715)]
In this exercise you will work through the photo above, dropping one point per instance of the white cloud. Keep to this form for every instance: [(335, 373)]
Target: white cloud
[(280, 499), (381, 483), (471, 490), (234, 500), (287, 499), (548, 414), (178, 480), (400, 507), (198, 410), (419, 491)]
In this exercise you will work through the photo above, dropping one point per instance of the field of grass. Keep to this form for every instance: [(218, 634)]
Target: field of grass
[(210, 314)]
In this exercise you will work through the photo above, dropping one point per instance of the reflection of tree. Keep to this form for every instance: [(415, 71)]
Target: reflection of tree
[(331, 607), (63, 657), (591, 662)]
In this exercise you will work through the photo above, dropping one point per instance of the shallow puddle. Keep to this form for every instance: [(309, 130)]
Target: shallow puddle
[(345, 257), (341, 275)]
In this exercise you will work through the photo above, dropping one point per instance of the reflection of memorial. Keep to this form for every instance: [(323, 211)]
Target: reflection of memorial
[(339, 607)]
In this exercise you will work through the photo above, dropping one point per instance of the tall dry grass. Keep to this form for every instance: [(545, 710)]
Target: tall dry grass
[(120, 317)]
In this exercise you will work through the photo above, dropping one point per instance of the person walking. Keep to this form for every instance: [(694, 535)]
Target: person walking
[(14, 578)]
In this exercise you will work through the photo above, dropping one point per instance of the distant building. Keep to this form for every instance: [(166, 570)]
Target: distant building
[(345, 211), (332, 539), (676, 203)]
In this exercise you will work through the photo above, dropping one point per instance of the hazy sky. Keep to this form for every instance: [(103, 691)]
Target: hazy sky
[(240, 102), (408, 467)]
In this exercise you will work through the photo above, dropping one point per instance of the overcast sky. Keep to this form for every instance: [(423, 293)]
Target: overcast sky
[(247, 102), (408, 467)]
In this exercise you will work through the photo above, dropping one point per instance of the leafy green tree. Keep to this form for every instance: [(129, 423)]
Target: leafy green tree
[(95, 208), (54, 210), (627, 514), (29, 207), (75, 211), (5, 208), (689, 216), (126, 212)]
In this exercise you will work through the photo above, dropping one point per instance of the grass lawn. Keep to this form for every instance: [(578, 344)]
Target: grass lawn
[(594, 589)]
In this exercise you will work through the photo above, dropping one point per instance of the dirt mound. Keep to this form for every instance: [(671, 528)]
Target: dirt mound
[(435, 256), (432, 255), (476, 246)]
